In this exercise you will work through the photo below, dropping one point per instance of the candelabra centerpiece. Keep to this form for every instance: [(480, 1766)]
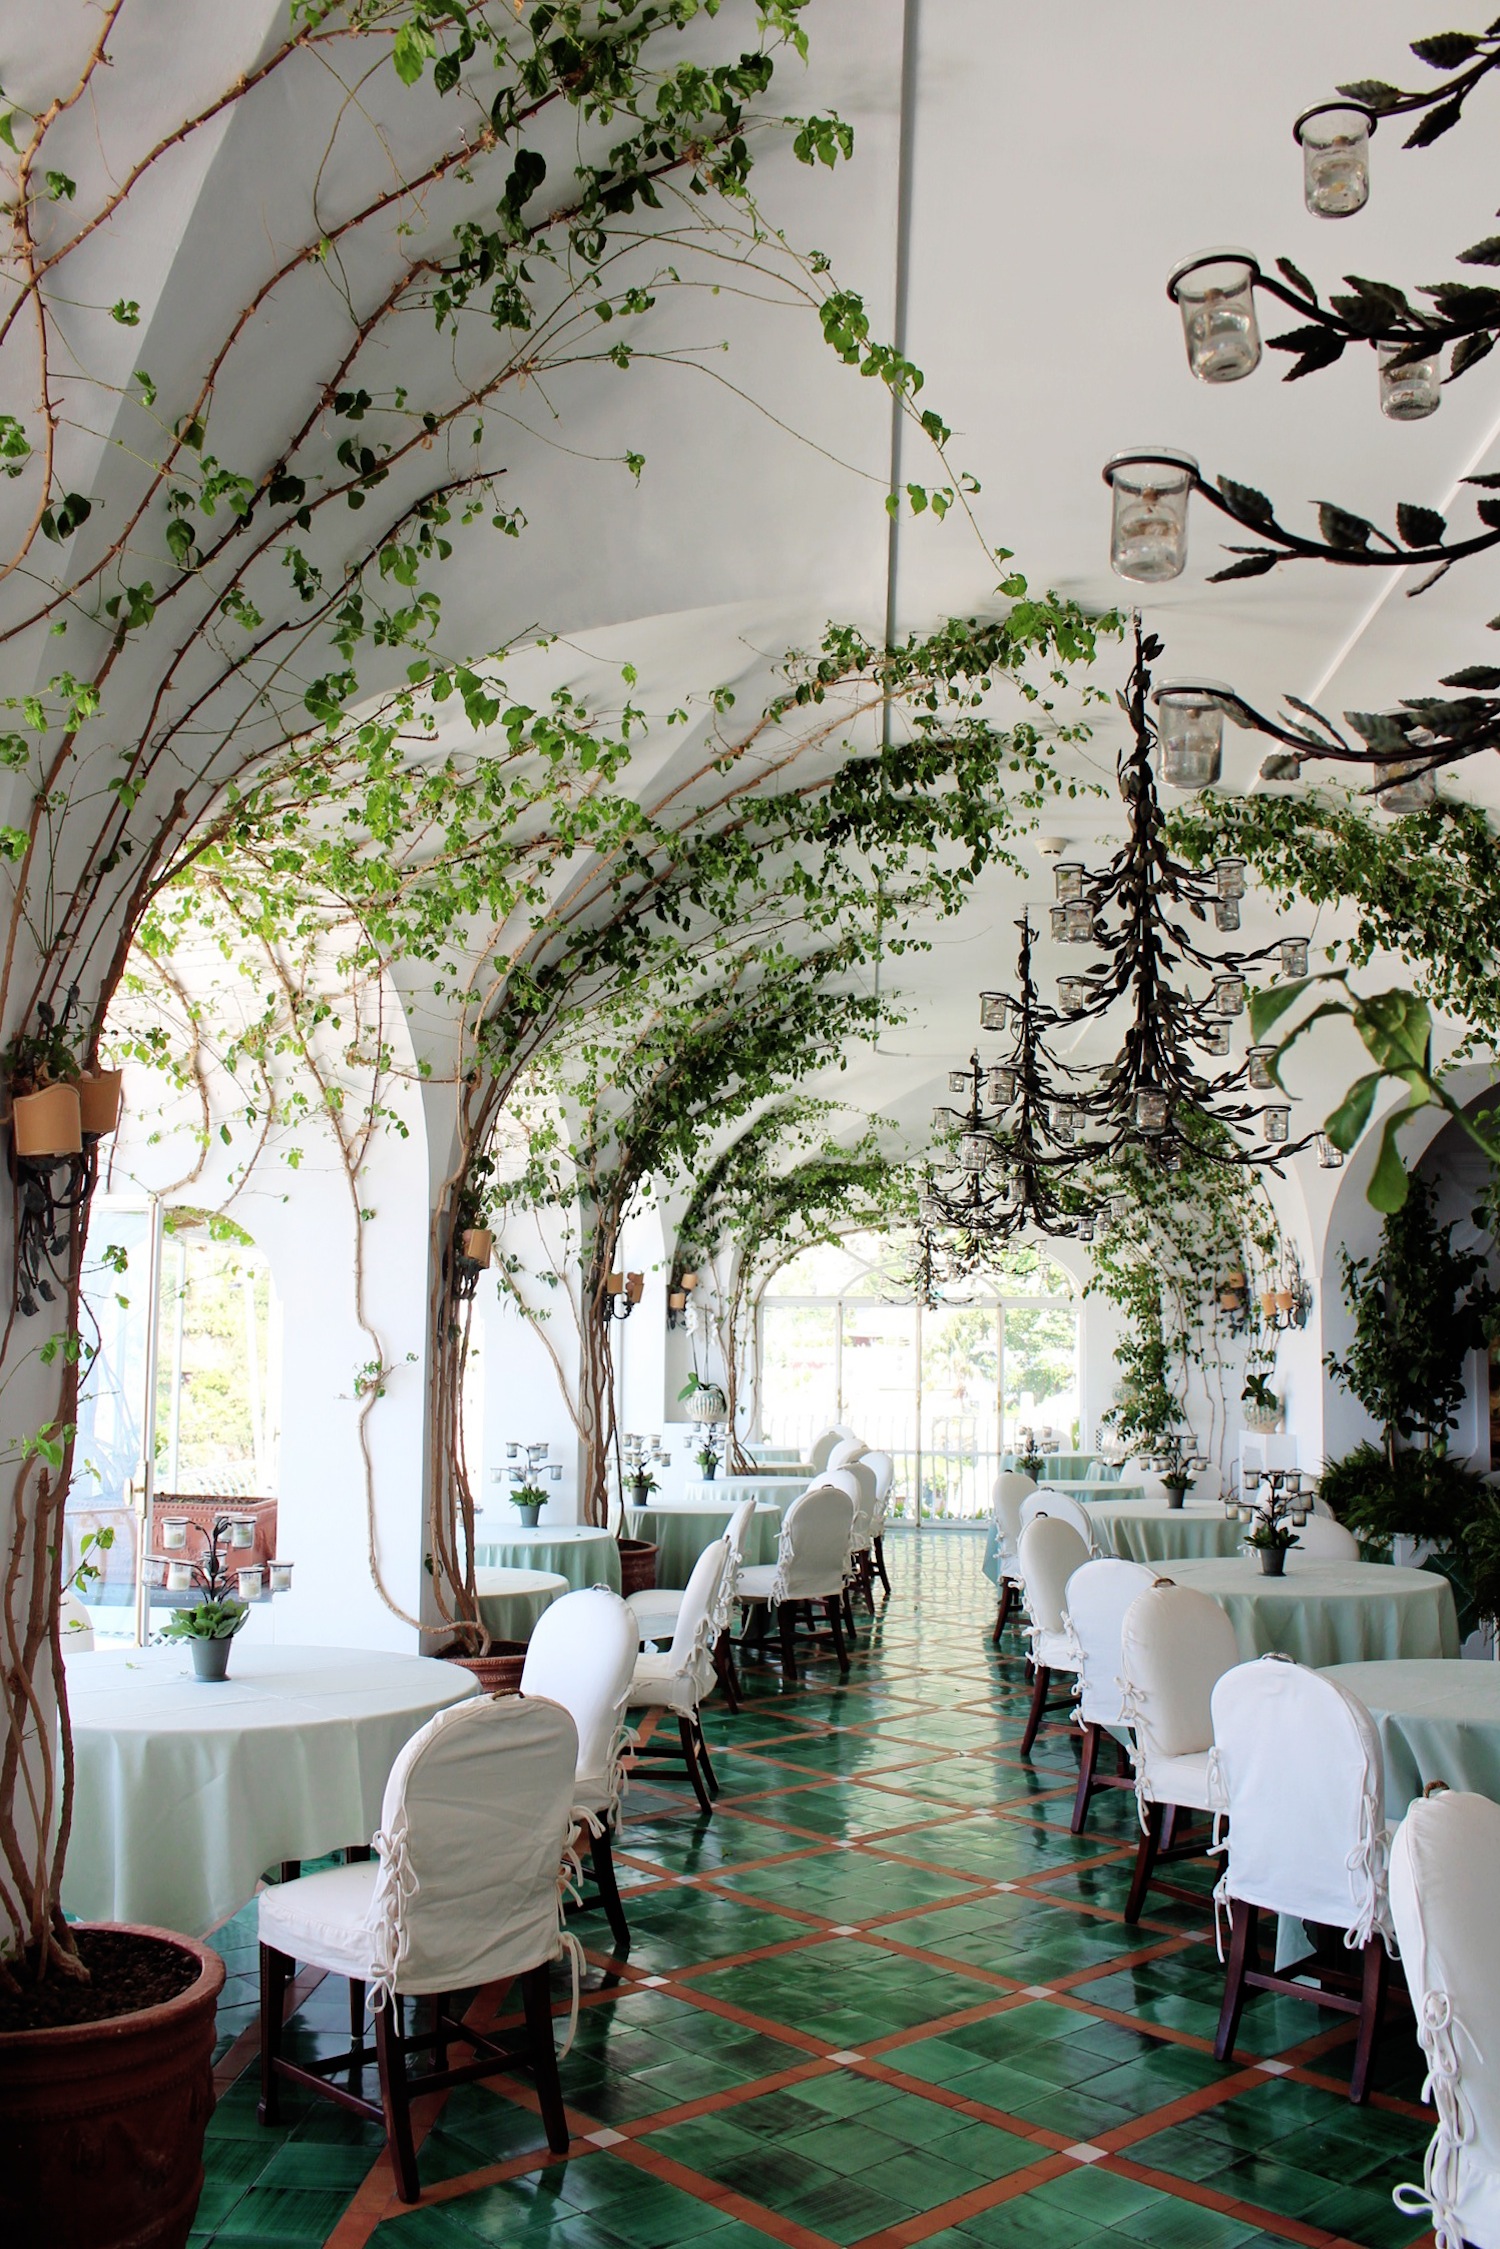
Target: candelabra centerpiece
[(640, 1455), (1276, 1503)]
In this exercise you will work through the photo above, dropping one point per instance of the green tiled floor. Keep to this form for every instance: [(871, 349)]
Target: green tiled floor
[(882, 1996)]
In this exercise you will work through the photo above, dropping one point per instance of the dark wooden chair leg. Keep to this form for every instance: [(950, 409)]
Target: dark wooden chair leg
[(602, 1859), (703, 1757), (788, 1626), (1085, 1776), (1243, 1950), (1038, 1704), (878, 1551), (1122, 1759), (356, 2016), (275, 1975), (1002, 1611), (848, 1613), (690, 1755), (536, 1996), (395, 2098), (831, 1609), (867, 1580), (1374, 1974), (724, 1671), (1145, 1862), (440, 2026)]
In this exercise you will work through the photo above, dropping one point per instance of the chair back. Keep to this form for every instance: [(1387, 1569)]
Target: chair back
[(813, 1557), (883, 1469), (738, 1533), (476, 1816), (839, 1480), (821, 1448), (1443, 1861), (1064, 1508), (1050, 1550), (697, 1620), (866, 1505), (582, 1654), (1322, 1539), (846, 1452), (1096, 1599), (1138, 1469), (1302, 1777), (1011, 1487), (77, 1625), (1175, 1646)]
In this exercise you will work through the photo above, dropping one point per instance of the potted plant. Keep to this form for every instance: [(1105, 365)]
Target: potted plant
[(1261, 1404), (1179, 1481), (528, 1500), (705, 1401), (208, 1627), (707, 1455), (1029, 1458), (1271, 1537)]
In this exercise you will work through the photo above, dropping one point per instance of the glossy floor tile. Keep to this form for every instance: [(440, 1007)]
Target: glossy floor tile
[(883, 1996)]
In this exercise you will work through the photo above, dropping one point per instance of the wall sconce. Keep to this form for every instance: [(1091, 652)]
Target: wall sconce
[(471, 1256), (1285, 1308), (623, 1292), (677, 1300)]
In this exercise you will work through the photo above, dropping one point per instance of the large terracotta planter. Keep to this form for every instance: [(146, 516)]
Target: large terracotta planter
[(499, 1672), (49, 1123), (637, 1565), (102, 2124)]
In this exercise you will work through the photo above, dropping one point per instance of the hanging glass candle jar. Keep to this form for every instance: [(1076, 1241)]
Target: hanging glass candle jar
[(1229, 878), (1335, 142), (1229, 995), (1074, 924), (994, 1008), (1085, 1227), (1410, 389), (1215, 294), (928, 1210), (973, 1152), (1002, 1085), (1329, 1157), (1061, 1120), (1148, 535), (1213, 1038), (1190, 729), (1119, 1207), (1276, 1118), (942, 1118), (1226, 913), (1410, 788), (1067, 875), (1258, 1067), (959, 1081), (1072, 993), (1294, 958), (1151, 1110)]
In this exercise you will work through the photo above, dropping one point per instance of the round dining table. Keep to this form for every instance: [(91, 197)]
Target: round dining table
[(680, 1529), (1326, 1613), (189, 1790), (1436, 1721), (510, 1601), (576, 1551), (1148, 1530), (772, 1487)]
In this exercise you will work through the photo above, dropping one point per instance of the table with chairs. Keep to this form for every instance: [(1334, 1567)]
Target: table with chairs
[(578, 1552), (1328, 1612)]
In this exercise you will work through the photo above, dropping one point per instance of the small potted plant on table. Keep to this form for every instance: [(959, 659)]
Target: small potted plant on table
[(528, 1494), (710, 1452), (1277, 1509), (1179, 1480)]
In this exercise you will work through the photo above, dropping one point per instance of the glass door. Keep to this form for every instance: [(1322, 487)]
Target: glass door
[(112, 1464)]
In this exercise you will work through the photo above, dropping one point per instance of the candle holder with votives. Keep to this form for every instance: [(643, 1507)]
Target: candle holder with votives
[(211, 1622)]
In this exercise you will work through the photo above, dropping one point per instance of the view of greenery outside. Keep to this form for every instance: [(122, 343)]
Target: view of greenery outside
[(218, 1366)]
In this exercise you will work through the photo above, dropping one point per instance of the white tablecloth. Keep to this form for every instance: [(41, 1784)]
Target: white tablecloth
[(767, 1489), (1436, 1721), (583, 1555), (188, 1791), (510, 1601), (1324, 1613)]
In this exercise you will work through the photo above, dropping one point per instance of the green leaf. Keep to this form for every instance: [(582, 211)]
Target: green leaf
[(1373, 92), (8, 129), (1446, 50), (1396, 1027), (1468, 351), (1250, 505), (1389, 1184), (1255, 565), (126, 311), (1485, 253), (1345, 1124), (1473, 675), (1268, 1007), (1437, 122)]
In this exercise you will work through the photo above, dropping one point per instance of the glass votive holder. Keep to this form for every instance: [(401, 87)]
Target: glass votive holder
[(250, 1583), (1002, 1084), (1410, 389), (1190, 730), (1085, 1230), (156, 1573), (1294, 957), (1329, 1157), (1149, 520), (280, 1576), (1077, 926), (1213, 1038), (942, 1118), (1215, 294), (1335, 142), (1277, 1120), (180, 1577), (1258, 1068), (1060, 1118), (1229, 878), (1226, 913), (241, 1532), (1151, 1110), (1072, 993), (973, 1152), (994, 1009), (1252, 1479), (174, 1534), (1299, 1517), (959, 1081), (1229, 995), (1410, 787), (1068, 878)]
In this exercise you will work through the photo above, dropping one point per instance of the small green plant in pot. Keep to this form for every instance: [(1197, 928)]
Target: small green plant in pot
[(708, 1454), (1179, 1481), (208, 1627), (528, 1500)]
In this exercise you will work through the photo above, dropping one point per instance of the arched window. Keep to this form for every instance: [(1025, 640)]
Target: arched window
[(945, 1389)]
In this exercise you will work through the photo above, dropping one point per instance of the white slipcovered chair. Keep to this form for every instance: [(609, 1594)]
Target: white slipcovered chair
[(657, 1607), (1049, 1551), (824, 1445), (883, 1468), (465, 1888), (1442, 1877), (846, 1452), (683, 1677), (862, 1534), (1322, 1539), (582, 1654), (1064, 1507), (76, 1624), (812, 1562), (1208, 1484), (1175, 1646), (1011, 1487), (1300, 1774), (1098, 1596)]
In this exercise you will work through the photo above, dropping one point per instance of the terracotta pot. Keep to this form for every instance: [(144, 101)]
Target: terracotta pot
[(498, 1673), (637, 1565), (99, 1099), (476, 1243), (102, 2124), (1285, 1300), (49, 1123)]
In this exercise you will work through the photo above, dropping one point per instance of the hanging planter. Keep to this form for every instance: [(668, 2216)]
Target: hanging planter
[(99, 1100), (48, 1122), (707, 1403), (476, 1243)]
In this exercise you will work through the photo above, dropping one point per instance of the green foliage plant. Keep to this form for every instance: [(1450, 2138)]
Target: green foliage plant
[(206, 1620)]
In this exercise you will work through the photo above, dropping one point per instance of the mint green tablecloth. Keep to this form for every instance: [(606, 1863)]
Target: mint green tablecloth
[(1436, 1721), (188, 1791), (773, 1486), (1058, 1467), (571, 1550), (510, 1601), (1325, 1613), (1147, 1530), (681, 1532)]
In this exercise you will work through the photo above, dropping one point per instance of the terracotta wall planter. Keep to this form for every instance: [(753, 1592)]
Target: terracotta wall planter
[(49, 1123), (476, 1243), (99, 1099), (102, 2124)]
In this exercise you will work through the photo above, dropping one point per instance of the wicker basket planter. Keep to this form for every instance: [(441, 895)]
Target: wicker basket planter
[(637, 1565)]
